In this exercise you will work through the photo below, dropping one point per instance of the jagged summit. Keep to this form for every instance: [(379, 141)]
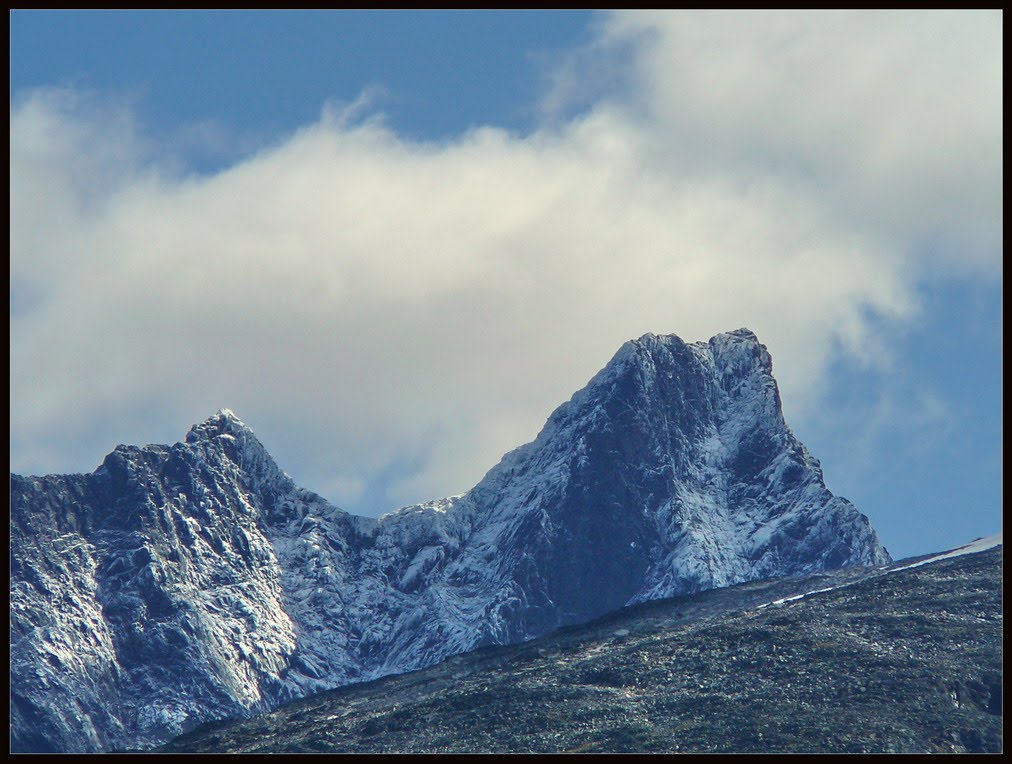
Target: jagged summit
[(197, 581), (222, 422), (225, 433), (741, 334), (737, 351)]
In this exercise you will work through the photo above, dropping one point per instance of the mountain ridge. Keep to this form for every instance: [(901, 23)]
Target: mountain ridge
[(671, 471)]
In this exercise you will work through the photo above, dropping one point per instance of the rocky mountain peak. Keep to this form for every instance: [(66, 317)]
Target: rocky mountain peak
[(740, 352), (671, 472), (224, 434), (737, 352), (222, 422)]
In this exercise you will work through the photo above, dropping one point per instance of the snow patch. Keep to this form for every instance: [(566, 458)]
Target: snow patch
[(979, 545)]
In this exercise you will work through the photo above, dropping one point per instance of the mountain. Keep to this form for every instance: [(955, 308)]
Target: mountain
[(177, 584), (902, 659)]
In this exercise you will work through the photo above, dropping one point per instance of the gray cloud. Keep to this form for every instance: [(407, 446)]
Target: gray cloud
[(374, 306)]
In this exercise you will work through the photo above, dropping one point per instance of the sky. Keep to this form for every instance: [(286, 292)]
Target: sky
[(393, 242)]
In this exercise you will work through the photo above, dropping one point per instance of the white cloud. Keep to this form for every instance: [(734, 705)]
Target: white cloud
[(358, 297), (894, 117)]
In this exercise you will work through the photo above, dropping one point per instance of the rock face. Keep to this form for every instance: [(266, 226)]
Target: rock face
[(178, 584)]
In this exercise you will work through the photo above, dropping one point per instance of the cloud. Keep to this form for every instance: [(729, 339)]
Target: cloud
[(894, 118), (377, 307)]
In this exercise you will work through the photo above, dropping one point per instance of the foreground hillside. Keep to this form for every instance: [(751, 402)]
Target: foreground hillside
[(908, 660)]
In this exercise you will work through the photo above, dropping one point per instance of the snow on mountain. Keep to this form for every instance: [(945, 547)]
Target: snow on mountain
[(181, 583), (977, 545)]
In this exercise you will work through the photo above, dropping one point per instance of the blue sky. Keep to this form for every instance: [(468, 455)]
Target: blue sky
[(393, 242), (262, 74)]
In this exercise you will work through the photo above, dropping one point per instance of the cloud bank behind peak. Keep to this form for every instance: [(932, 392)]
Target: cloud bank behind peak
[(392, 315)]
